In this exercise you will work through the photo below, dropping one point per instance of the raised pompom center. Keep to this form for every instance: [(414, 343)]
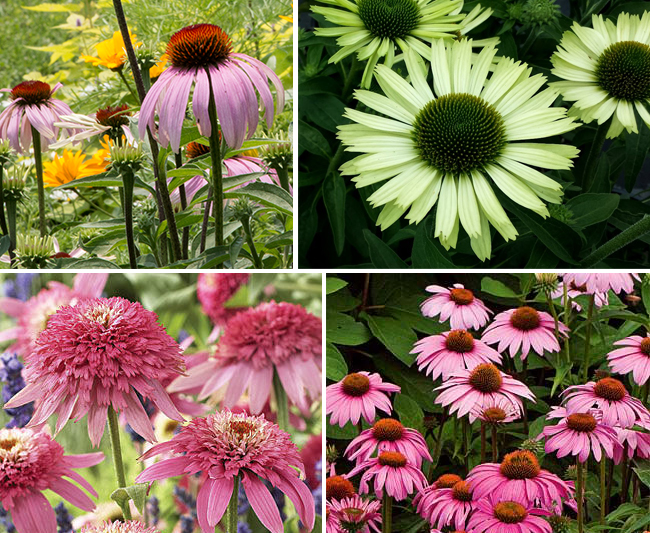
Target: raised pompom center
[(510, 512), (356, 384), (521, 464), (610, 389), (242, 427), (461, 296), (461, 492), (623, 70), (32, 91), (494, 414), (525, 318), (486, 378), (394, 459), (645, 346), (458, 133), (113, 117), (199, 45), (394, 19), (459, 340), (337, 488), (388, 429), (582, 422), (193, 150), (447, 481)]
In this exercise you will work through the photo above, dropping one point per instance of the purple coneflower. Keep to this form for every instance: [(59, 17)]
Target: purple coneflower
[(456, 304)]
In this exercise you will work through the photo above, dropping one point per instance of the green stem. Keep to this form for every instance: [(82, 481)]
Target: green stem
[(465, 445), (11, 218), (283, 175), (90, 202), (3, 220), (281, 401), (114, 430), (593, 156), (206, 219), (603, 478), (121, 73), (580, 496), (530, 40), (129, 180), (551, 307), (386, 513), (216, 173), (495, 444), (245, 223), (36, 136), (590, 313), (181, 190), (567, 319), (483, 442), (634, 232), (231, 511)]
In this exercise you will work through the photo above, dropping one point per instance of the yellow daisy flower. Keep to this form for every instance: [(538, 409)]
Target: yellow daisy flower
[(159, 67), (289, 18), (71, 166), (111, 53)]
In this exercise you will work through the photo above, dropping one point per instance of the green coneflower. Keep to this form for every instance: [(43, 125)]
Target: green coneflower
[(374, 28), (607, 71), (451, 143)]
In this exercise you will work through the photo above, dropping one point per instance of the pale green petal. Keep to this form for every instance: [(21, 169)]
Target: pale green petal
[(391, 190), (450, 241), (482, 243), (577, 55), (346, 51), (515, 189), (643, 112), (388, 143), (468, 207), (568, 71), (491, 206), (605, 110), (520, 93), (447, 214), (376, 176), (439, 68), (551, 156), (616, 127), (421, 48), (366, 80), (371, 49), (475, 18), (425, 202), (541, 100), (417, 187), (417, 73), (480, 70), (541, 129), (554, 197), (625, 113), (595, 41), (643, 30), (505, 76), (461, 61), (399, 90), (624, 27), (345, 4), (384, 105), (376, 122), (528, 174), (389, 215), (376, 162), (336, 16), (358, 38), (336, 31)]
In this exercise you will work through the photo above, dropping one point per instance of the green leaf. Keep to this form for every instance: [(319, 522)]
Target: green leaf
[(642, 469), (347, 432), (497, 288), (104, 224), (312, 140), (410, 413), (645, 292), (317, 525), (267, 194), (335, 366), (636, 149), (137, 493), (382, 255), (5, 242), (94, 262), (333, 284), (326, 111), (428, 253), (284, 239), (334, 198), (591, 208), (536, 427), (395, 335), (343, 329)]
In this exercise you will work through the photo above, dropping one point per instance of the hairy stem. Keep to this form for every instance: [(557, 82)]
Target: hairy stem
[(206, 219), (281, 401), (118, 463), (580, 496), (216, 173), (38, 160), (181, 191), (593, 156), (129, 180), (603, 480), (634, 232), (495, 444), (231, 511), (245, 223), (386, 513)]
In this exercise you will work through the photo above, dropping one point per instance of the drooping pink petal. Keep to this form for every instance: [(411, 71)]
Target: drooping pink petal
[(262, 503), (220, 495), (33, 514)]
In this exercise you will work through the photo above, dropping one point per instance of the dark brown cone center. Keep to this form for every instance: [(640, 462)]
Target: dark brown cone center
[(461, 296), (583, 422), (525, 318), (462, 492), (610, 389), (447, 481), (520, 465), (33, 92), (199, 45), (486, 378), (387, 429), (460, 341), (337, 488), (510, 512), (356, 384), (394, 459)]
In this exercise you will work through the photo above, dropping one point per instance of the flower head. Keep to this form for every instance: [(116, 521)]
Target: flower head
[(111, 53), (451, 143), (633, 444), (607, 71), (374, 29), (446, 506), (481, 386), (633, 357), (355, 514), (610, 396), (225, 445), (272, 337), (519, 476), (356, 395), (443, 355), (32, 462), (338, 488), (388, 434), (456, 304), (522, 329), (505, 516), (202, 55), (496, 411), (573, 291), (392, 472), (97, 355), (70, 166), (214, 290), (111, 121), (601, 283), (580, 434), (32, 106), (132, 526)]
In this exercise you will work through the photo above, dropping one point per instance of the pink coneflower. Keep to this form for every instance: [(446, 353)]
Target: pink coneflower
[(202, 55), (524, 328), (458, 305), (356, 395), (519, 476), (32, 105), (611, 397), (32, 462), (594, 283), (634, 357), (226, 445), (483, 384), (496, 411), (392, 472), (338, 488), (98, 355), (443, 355), (32, 315), (448, 506), (214, 290), (389, 435), (111, 120), (356, 514), (633, 444), (272, 337), (573, 291), (580, 434), (132, 526), (491, 515)]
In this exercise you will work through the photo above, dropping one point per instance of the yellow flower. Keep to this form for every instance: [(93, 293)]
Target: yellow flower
[(159, 67), (290, 18), (71, 166), (111, 53)]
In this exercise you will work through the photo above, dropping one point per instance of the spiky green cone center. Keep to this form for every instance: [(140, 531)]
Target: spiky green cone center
[(623, 70), (389, 18), (459, 132)]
